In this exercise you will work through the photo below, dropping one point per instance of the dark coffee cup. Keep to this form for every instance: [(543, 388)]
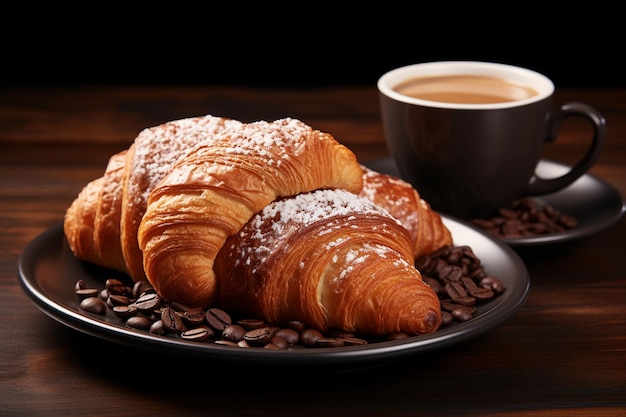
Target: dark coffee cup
[(469, 135)]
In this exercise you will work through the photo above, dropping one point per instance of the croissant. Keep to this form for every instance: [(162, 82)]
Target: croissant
[(92, 222), (219, 185), (425, 226), (331, 259), (149, 159), (101, 223)]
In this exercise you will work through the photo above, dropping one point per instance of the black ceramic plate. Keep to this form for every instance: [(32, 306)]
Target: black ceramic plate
[(594, 203), (48, 272)]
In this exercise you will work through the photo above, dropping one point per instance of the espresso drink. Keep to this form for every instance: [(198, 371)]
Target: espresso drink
[(464, 89)]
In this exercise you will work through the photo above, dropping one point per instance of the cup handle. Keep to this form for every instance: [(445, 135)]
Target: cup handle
[(538, 185)]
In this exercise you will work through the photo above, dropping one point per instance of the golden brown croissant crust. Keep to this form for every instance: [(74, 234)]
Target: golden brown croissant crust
[(331, 259), (425, 226), (92, 222)]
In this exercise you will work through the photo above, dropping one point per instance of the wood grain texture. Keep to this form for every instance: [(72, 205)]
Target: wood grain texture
[(562, 354)]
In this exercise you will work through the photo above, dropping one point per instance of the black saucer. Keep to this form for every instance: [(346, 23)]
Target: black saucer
[(594, 203)]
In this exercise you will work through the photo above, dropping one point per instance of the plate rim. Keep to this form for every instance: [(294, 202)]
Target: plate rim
[(371, 354)]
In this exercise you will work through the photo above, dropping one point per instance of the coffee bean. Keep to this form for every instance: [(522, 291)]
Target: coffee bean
[(83, 293), (93, 305), (251, 324), (233, 333), (115, 286), (435, 285), (492, 283), (148, 302), (477, 273), (447, 305), (226, 343), (172, 321), (141, 288), (329, 342), (279, 342), (125, 311), (194, 316), (178, 306), (465, 300), (118, 300), (455, 290), (296, 325), (289, 335), (461, 314), (308, 337), (481, 293), (446, 318), (198, 334), (80, 285), (139, 322), (260, 336), (354, 341), (468, 283), (218, 319), (450, 273), (157, 328)]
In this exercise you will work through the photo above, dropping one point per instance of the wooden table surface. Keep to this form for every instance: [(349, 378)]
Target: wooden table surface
[(562, 354)]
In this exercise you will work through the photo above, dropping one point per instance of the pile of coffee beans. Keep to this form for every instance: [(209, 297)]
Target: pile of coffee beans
[(141, 308), (455, 274), (526, 218)]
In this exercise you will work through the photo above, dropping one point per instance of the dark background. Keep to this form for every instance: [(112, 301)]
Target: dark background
[(299, 44)]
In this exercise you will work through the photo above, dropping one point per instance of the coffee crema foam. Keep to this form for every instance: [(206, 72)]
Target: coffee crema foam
[(464, 89)]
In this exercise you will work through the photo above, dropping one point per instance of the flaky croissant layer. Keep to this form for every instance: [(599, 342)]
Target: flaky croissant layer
[(331, 259)]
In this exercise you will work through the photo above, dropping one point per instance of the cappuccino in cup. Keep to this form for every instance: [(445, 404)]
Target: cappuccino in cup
[(469, 135), (465, 88)]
